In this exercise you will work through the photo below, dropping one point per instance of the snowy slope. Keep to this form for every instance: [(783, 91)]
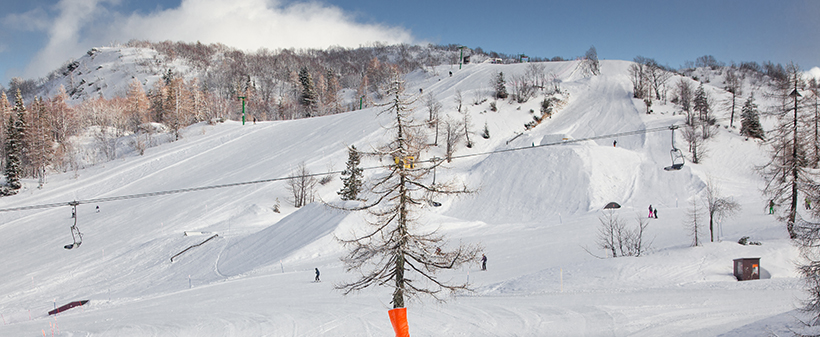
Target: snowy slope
[(536, 213)]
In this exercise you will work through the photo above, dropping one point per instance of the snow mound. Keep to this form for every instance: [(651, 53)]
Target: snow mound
[(277, 241)]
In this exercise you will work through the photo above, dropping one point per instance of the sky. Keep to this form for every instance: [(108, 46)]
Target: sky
[(38, 36)]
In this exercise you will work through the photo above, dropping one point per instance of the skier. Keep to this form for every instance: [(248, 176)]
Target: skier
[(655, 212), (317, 275), (98, 208), (808, 203), (650, 211), (771, 206), (483, 262), (614, 143)]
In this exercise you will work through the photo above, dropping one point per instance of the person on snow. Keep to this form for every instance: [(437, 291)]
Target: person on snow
[(808, 203), (655, 212), (650, 211), (614, 143), (771, 206), (317, 275), (483, 262)]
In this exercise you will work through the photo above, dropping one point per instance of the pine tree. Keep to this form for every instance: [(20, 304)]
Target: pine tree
[(308, 98), (15, 134), (701, 105), (500, 86), (750, 120), (394, 251), (351, 176)]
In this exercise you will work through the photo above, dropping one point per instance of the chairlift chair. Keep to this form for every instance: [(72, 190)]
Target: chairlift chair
[(675, 153), (75, 232)]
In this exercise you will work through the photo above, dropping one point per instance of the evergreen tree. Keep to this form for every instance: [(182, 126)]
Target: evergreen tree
[(701, 105), (351, 176), (308, 98), (500, 86), (750, 120), (15, 134), (546, 107)]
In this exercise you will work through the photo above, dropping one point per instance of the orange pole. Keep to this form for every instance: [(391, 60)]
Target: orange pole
[(398, 317)]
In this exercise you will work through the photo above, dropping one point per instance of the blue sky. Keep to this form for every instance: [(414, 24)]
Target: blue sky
[(37, 36)]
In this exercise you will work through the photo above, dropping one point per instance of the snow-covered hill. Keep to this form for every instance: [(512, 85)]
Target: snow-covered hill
[(536, 213)]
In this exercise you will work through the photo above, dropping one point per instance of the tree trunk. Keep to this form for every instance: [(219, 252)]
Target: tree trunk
[(795, 164)]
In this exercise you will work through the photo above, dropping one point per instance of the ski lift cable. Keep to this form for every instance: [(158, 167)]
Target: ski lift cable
[(262, 181)]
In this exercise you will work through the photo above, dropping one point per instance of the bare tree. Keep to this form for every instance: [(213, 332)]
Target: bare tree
[(638, 76), (693, 221), (814, 120), (786, 173), (459, 98), (734, 85), (694, 137), (433, 107), (451, 131), (657, 76), (717, 206), (591, 65), (536, 73), (302, 186), (394, 250), (618, 240), (467, 123), (685, 92)]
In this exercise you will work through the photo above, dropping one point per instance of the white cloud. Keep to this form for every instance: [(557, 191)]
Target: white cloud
[(814, 72), (244, 24), (33, 20)]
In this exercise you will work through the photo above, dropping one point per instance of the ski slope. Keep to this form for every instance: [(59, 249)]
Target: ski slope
[(535, 212)]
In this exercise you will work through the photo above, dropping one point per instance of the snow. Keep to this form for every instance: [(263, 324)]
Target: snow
[(535, 211)]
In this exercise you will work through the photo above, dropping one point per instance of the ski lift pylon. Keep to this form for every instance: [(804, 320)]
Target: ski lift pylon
[(675, 153), (75, 232)]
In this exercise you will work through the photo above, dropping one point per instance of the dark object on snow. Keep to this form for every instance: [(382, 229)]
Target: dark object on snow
[(435, 203), (612, 205), (317, 275), (747, 269), (745, 241), (67, 306), (196, 245), (483, 262)]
